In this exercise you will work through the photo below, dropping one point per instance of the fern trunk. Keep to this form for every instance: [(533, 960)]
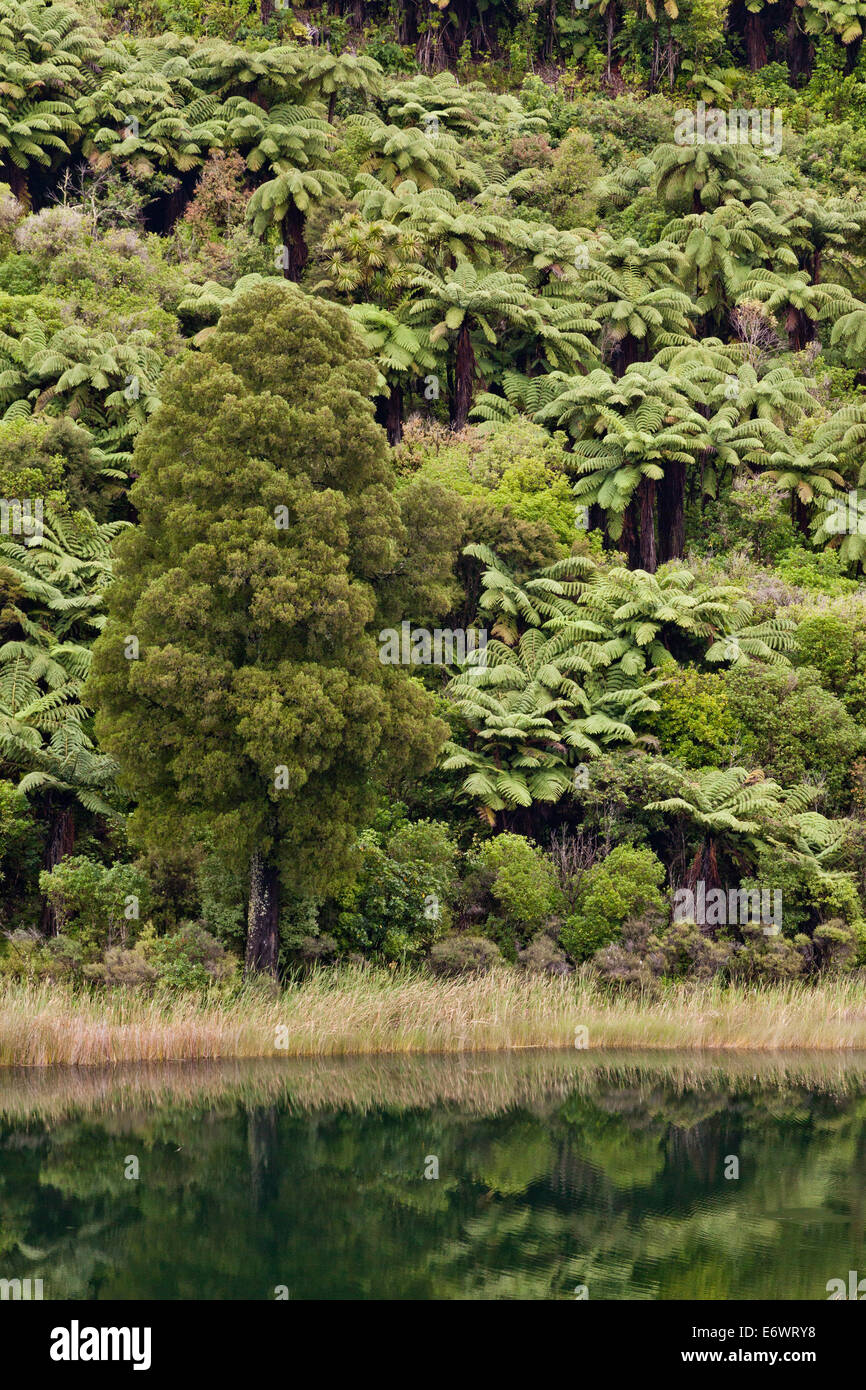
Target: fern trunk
[(294, 240), (800, 329), (17, 181), (671, 494), (704, 868), (646, 496), (395, 414), (464, 376), (630, 539), (799, 515)]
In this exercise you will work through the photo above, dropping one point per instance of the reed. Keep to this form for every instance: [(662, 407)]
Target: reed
[(366, 1011)]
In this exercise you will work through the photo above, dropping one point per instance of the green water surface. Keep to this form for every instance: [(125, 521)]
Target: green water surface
[(556, 1174)]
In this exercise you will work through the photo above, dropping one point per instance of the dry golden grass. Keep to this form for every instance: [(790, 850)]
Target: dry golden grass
[(364, 1011)]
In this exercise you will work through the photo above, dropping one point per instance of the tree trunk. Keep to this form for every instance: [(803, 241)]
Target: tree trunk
[(464, 376), (671, 508), (266, 9), (263, 1151), (654, 61), (263, 918), (295, 243), (61, 842), (646, 494)]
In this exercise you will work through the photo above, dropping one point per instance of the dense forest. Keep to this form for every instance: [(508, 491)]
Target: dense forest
[(431, 449)]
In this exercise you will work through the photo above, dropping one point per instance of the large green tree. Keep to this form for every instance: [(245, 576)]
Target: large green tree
[(252, 703)]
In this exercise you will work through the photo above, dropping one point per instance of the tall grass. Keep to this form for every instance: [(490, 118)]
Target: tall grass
[(359, 1010)]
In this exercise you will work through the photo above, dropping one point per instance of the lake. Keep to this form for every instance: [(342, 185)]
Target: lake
[(531, 1176)]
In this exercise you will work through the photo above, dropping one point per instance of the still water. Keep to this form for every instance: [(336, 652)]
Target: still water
[(630, 1176)]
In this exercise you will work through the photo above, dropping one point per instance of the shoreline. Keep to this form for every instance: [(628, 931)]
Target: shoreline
[(364, 1012)]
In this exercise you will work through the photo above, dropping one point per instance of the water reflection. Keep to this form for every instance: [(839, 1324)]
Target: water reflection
[(555, 1171)]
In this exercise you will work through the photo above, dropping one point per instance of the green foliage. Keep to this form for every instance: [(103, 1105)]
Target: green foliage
[(462, 955), (660, 344), (819, 571), (825, 642), (812, 896), (625, 884), (513, 876), (401, 900), (695, 725), (188, 959), (517, 468), (97, 906), (794, 728), (19, 848), (283, 653)]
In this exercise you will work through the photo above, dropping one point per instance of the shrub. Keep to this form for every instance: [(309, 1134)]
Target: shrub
[(511, 878), (543, 956), (564, 190), (625, 884), (755, 511), (47, 234), (187, 959), (836, 946), (810, 893), (221, 197), (518, 468), (36, 454), (682, 949), (97, 906), (695, 725), (19, 275), (460, 955), (819, 570), (793, 728), (400, 902), (826, 642), (768, 958)]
